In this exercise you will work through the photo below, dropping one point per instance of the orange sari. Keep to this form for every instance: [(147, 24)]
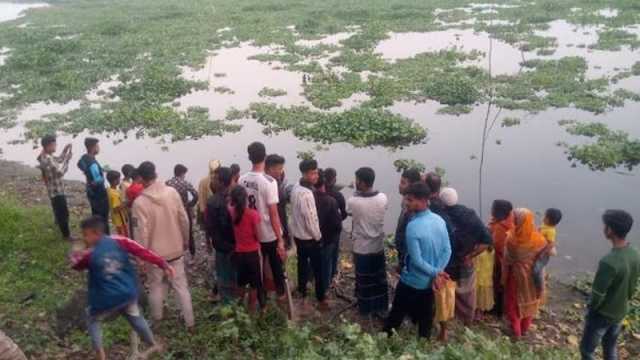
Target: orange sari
[(522, 246)]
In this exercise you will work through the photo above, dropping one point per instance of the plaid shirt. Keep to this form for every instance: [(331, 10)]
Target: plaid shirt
[(53, 169), (184, 188)]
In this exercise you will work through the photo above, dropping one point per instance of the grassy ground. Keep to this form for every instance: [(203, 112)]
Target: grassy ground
[(35, 282), (41, 306)]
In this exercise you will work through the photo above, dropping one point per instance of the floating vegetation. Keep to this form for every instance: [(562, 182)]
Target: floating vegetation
[(614, 39), (406, 164), (305, 155), (223, 90), (144, 43), (455, 109), (510, 122), (152, 121), (237, 114), (610, 149), (359, 127), (554, 83), (270, 92), (328, 89)]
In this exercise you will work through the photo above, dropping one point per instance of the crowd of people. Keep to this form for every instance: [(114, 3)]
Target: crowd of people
[(450, 264)]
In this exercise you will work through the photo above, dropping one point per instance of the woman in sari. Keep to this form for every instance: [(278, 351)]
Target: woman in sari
[(522, 301)]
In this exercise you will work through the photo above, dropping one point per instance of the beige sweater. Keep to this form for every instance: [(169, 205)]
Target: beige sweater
[(160, 221)]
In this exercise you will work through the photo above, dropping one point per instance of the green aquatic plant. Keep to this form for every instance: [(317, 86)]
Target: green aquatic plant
[(305, 155), (223, 90), (406, 164), (359, 127), (122, 119), (614, 39), (510, 122), (146, 43), (327, 89), (457, 109), (270, 92), (610, 148)]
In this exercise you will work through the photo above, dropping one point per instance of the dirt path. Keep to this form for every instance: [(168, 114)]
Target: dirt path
[(559, 324)]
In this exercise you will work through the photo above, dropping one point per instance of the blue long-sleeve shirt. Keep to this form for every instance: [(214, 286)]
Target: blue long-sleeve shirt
[(96, 173), (428, 249)]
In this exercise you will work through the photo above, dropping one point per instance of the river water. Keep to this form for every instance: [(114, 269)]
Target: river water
[(526, 167)]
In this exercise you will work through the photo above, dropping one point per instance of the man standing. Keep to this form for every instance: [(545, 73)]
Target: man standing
[(162, 226), (409, 177), (262, 192), (305, 229), (96, 191), (220, 230), (333, 190), (367, 208), (330, 222), (184, 189), (53, 169), (274, 167), (428, 252)]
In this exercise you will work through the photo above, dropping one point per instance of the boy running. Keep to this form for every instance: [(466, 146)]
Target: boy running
[(112, 281)]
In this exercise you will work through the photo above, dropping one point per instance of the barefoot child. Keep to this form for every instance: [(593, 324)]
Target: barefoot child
[(112, 281), (117, 207), (246, 222)]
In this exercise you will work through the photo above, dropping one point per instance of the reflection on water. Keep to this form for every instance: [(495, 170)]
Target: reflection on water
[(526, 168)]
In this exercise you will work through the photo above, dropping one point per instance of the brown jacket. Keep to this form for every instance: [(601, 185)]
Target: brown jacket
[(161, 222)]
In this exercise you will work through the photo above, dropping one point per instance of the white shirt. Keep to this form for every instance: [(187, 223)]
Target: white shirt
[(262, 191), (304, 223), (367, 212)]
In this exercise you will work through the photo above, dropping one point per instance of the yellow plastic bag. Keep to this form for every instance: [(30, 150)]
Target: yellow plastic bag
[(446, 301)]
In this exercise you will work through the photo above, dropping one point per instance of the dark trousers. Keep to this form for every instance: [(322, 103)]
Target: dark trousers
[(270, 253), (310, 260), (100, 206), (192, 243), (599, 329), (61, 214), (418, 304)]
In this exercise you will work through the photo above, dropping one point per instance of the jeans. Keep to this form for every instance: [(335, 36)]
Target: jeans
[(159, 285), (328, 264), (100, 206), (418, 304), (310, 258), (132, 313), (270, 253), (61, 214), (226, 277), (598, 328)]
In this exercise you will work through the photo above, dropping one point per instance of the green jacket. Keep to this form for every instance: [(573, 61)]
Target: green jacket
[(615, 283)]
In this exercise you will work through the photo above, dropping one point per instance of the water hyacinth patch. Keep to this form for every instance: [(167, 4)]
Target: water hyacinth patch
[(359, 127), (611, 148)]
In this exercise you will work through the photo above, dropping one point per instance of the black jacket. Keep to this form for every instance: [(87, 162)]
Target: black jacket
[(218, 223), (467, 231), (328, 217)]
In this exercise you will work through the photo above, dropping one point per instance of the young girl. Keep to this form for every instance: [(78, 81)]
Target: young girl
[(246, 222)]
